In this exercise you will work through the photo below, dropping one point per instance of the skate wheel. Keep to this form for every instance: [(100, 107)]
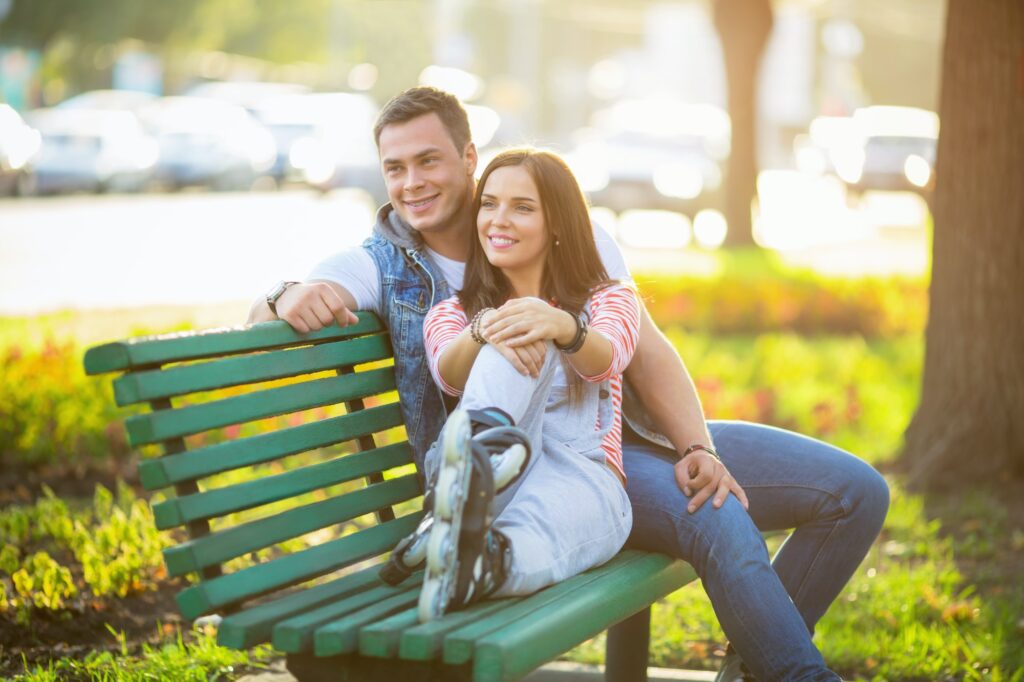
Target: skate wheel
[(440, 550), (417, 552), (457, 432), (446, 494), (432, 601)]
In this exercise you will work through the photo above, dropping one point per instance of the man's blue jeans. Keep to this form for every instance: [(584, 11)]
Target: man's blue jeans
[(768, 609)]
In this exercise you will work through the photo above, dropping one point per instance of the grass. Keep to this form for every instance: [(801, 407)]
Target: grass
[(175, 659)]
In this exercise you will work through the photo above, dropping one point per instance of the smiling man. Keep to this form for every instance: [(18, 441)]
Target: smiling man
[(756, 477)]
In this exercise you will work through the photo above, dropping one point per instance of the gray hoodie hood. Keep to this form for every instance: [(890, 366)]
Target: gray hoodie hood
[(395, 230)]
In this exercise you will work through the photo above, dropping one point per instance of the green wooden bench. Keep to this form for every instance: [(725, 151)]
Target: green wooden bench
[(282, 528)]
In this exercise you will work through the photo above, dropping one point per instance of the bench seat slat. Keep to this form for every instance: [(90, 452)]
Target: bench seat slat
[(294, 568), (191, 419), (295, 635), (254, 625), (342, 635), (227, 544), (148, 351), (515, 650), (381, 639), (222, 501), (242, 452), (424, 641), (173, 381), (459, 645)]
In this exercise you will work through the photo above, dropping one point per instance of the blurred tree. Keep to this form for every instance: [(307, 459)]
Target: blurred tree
[(970, 423), (38, 23), (743, 27)]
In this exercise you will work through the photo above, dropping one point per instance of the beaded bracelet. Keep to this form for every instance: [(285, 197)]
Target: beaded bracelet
[(474, 326)]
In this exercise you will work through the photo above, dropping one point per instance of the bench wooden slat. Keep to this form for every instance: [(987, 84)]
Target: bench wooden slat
[(242, 452), (424, 641), (295, 634), (381, 639), (254, 625), (148, 385), (342, 635), (294, 568), (149, 351), (191, 419), (459, 645), (213, 503), (515, 650), (224, 545)]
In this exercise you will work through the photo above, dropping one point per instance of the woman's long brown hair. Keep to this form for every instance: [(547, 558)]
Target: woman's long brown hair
[(572, 270)]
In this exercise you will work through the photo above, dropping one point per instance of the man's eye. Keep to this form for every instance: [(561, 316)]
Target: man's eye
[(429, 161), (391, 170)]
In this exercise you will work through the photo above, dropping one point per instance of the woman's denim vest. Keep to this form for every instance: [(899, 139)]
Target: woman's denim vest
[(409, 285)]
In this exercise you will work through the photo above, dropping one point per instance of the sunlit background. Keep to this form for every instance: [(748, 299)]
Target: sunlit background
[(235, 136)]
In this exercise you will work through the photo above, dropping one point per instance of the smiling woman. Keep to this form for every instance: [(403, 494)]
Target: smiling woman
[(535, 344)]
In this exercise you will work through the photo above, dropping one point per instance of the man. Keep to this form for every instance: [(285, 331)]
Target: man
[(761, 478)]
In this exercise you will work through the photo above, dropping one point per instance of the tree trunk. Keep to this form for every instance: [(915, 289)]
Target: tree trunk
[(743, 27), (969, 425)]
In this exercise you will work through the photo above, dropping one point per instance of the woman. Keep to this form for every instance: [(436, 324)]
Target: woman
[(535, 343)]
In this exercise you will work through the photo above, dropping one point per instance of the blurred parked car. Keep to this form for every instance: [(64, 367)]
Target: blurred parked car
[(18, 143), (878, 148), (336, 148), (94, 151), (109, 100), (654, 154), (208, 142), (250, 95)]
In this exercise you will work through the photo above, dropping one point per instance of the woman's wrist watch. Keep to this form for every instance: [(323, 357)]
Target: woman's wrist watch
[(274, 294)]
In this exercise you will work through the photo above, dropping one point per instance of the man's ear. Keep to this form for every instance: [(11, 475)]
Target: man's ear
[(470, 158)]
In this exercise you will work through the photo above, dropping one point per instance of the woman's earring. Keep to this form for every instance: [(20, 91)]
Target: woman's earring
[(556, 241)]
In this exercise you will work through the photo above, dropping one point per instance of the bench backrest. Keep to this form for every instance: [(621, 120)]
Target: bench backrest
[(271, 458)]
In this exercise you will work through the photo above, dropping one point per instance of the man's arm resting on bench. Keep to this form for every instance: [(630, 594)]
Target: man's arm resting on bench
[(662, 383), (308, 306)]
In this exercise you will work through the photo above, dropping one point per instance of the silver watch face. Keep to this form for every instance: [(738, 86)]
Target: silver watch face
[(276, 292)]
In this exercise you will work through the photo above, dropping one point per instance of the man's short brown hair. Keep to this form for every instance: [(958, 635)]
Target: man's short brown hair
[(419, 101)]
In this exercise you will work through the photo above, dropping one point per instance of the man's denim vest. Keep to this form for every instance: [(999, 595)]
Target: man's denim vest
[(409, 285)]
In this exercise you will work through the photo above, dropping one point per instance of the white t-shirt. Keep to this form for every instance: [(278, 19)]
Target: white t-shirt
[(355, 270)]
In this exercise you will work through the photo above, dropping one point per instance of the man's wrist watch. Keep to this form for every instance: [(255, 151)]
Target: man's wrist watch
[(274, 294)]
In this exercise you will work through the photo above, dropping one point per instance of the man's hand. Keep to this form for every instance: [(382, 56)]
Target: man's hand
[(313, 306), (700, 476)]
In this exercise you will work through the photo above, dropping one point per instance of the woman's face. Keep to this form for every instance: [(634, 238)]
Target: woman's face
[(510, 223)]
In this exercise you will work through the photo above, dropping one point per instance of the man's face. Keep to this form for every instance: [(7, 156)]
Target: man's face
[(429, 182)]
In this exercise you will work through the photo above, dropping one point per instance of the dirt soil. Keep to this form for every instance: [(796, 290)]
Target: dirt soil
[(149, 617)]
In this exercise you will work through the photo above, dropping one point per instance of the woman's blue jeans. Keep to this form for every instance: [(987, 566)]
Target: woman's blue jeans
[(768, 608)]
